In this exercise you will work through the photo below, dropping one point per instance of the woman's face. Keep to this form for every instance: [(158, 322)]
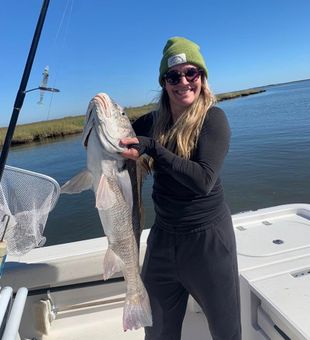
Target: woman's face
[(182, 90)]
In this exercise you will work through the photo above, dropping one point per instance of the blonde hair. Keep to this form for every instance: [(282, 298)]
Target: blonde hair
[(182, 137)]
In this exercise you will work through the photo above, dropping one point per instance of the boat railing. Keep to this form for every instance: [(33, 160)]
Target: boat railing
[(11, 312)]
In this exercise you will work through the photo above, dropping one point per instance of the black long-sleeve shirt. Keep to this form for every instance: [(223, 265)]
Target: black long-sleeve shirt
[(188, 194)]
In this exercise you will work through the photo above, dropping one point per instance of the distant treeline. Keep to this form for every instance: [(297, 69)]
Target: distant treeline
[(39, 131)]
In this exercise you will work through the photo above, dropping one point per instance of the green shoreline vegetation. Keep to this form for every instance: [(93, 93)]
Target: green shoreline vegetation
[(45, 130)]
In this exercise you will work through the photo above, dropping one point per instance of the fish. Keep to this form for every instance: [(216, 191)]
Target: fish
[(116, 183)]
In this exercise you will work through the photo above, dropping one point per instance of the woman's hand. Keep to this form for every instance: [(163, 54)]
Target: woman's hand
[(137, 146), (131, 152)]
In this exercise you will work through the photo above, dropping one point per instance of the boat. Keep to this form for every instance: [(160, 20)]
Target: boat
[(58, 292), (67, 298)]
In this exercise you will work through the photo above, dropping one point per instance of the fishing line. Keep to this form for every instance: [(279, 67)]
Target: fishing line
[(67, 14)]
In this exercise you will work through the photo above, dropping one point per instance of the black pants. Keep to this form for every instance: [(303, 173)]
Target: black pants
[(202, 263)]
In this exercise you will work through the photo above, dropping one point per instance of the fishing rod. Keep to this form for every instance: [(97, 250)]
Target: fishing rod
[(20, 96)]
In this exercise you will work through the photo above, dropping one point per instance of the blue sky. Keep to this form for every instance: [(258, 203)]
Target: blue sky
[(115, 47)]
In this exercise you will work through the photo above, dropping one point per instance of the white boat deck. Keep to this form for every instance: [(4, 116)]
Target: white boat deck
[(101, 322), (105, 322)]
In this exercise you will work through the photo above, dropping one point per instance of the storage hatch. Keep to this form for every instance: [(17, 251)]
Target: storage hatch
[(273, 234)]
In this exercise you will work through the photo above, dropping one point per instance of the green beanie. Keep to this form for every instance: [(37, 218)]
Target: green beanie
[(179, 51)]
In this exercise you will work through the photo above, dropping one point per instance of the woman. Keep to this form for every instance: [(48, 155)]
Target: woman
[(191, 247)]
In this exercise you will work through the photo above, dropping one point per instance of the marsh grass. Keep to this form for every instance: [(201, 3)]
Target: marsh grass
[(39, 131), (236, 94)]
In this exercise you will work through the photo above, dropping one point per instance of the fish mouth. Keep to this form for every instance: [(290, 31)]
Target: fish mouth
[(102, 101), (111, 123)]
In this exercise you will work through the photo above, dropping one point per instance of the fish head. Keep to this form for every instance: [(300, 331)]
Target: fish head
[(113, 123)]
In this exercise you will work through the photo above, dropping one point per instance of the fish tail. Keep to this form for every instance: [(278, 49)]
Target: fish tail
[(137, 311), (111, 264)]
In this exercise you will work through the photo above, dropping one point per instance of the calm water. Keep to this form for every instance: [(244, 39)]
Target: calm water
[(268, 162)]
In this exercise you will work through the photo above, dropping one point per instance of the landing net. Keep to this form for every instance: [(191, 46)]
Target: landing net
[(26, 198)]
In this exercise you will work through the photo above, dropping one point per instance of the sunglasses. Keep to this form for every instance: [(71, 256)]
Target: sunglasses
[(191, 74)]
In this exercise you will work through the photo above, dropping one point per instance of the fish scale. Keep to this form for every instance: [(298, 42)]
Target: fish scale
[(120, 213), (122, 240)]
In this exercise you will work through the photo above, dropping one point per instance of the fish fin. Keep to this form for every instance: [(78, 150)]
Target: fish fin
[(78, 183), (124, 182), (105, 196), (137, 311), (111, 264)]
